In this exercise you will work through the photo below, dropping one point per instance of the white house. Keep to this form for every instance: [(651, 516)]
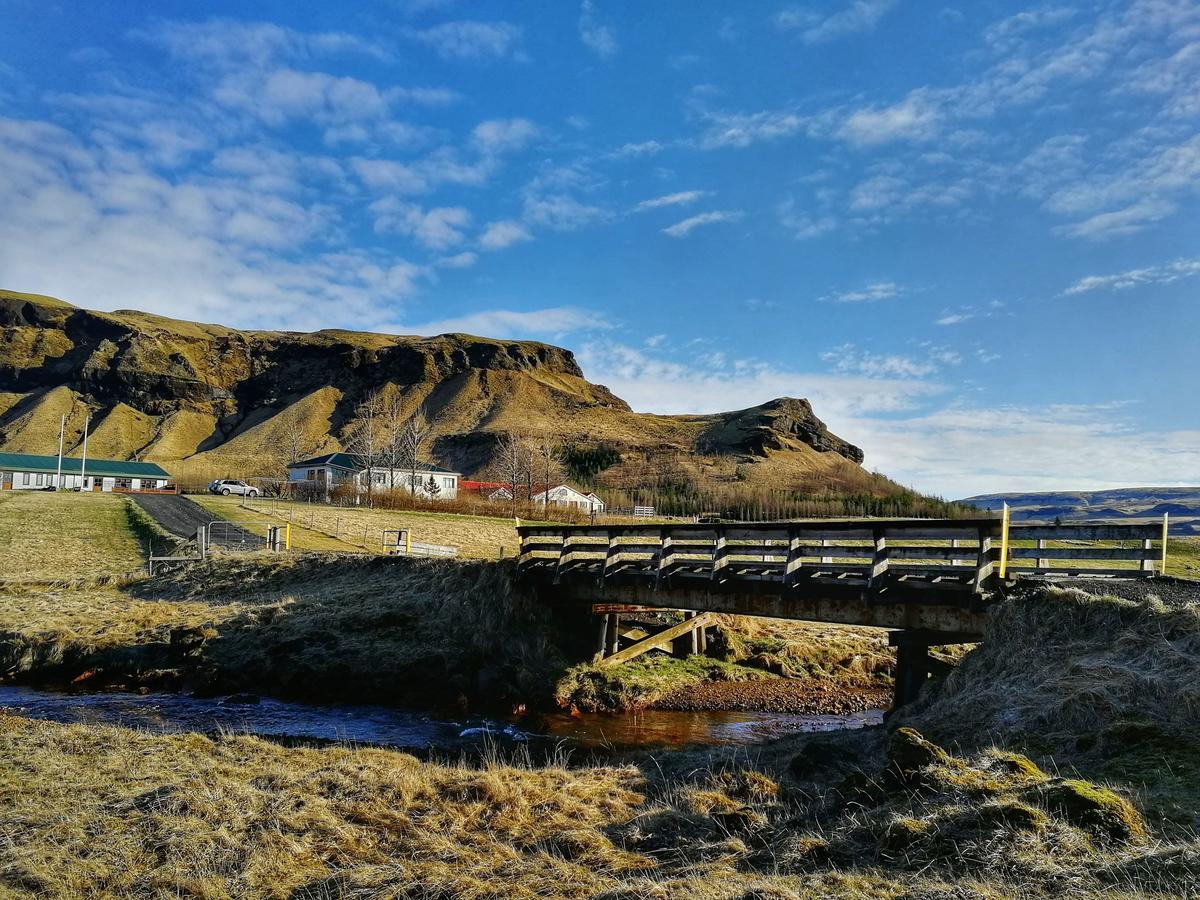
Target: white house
[(333, 469), (565, 495), (29, 472)]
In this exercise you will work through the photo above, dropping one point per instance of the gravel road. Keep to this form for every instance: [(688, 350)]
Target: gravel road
[(182, 517)]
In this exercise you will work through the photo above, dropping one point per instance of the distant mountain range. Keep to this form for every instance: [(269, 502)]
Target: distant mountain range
[(1182, 504)]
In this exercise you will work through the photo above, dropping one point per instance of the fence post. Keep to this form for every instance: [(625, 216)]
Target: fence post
[(1004, 543), (1166, 523)]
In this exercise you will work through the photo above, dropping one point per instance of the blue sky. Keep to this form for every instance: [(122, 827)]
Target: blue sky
[(968, 234)]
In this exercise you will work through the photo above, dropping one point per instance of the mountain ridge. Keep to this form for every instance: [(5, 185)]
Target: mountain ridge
[(206, 399)]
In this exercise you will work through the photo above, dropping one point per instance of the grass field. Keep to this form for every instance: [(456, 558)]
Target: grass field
[(476, 537), (52, 536), (303, 538)]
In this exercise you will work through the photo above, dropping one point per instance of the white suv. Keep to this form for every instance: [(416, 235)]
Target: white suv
[(227, 487)]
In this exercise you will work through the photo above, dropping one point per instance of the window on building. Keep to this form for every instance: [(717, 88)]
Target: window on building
[(311, 475), (39, 479), (448, 482), (25, 477)]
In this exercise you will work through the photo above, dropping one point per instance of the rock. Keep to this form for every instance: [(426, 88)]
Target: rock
[(909, 753), (1097, 810)]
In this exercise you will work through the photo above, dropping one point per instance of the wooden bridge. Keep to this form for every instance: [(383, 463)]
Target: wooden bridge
[(929, 581)]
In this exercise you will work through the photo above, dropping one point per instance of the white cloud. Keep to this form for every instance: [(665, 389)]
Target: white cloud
[(914, 430), (207, 248), (677, 199), (601, 39), (1120, 222), (503, 135), (849, 358), (439, 228), (463, 260), (505, 323), (682, 229), (914, 118), (815, 28), (744, 129), (498, 235), (644, 148), (560, 212), (471, 41), (226, 44), (876, 290), (1121, 281)]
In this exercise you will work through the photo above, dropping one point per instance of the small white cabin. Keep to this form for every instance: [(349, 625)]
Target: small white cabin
[(565, 495)]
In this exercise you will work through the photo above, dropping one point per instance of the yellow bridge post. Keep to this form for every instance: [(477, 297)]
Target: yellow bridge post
[(1163, 569), (1004, 543), (287, 541)]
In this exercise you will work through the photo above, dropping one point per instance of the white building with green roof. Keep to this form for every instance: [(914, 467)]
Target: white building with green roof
[(30, 472)]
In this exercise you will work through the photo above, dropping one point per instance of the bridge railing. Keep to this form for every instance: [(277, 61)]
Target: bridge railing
[(1086, 550), (874, 554), (959, 554)]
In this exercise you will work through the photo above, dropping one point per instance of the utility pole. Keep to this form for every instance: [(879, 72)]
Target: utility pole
[(62, 428), (83, 465)]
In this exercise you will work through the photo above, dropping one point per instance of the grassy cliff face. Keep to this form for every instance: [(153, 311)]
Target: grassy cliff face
[(208, 401)]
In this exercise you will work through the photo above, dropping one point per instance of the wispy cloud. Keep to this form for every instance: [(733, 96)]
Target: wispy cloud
[(869, 293), (818, 27), (1122, 281), (439, 228), (684, 228), (598, 37), (679, 198), (507, 323), (726, 129), (504, 135), (505, 233), (916, 117), (850, 358), (471, 41)]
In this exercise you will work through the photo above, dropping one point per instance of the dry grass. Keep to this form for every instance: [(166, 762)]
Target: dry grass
[(303, 538), (60, 536), (476, 537), (108, 812)]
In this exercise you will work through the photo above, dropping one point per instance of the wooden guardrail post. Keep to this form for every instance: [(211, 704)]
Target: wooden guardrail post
[(610, 557), (791, 569), (983, 562), (564, 555), (1166, 529), (719, 555), (879, 560), (1042, 563), (662, 556)]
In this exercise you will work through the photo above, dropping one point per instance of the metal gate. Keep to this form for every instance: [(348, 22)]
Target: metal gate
[(236, 535)]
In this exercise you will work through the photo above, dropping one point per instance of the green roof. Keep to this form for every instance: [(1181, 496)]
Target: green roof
[(347, 461), (28, 462)]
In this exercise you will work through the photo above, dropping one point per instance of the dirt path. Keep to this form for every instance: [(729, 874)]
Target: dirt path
[(182, 517)]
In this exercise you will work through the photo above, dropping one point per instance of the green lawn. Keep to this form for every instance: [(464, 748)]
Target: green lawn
[(59, 536)]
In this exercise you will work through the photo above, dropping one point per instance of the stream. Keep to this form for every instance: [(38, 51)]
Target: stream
[(412, 730)]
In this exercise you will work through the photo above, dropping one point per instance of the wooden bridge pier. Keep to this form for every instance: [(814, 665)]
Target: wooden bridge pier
[(929, 582)]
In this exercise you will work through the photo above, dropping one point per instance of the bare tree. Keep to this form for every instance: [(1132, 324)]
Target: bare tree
[(366, 439), (412, 437), (511, 463), (550, 458)]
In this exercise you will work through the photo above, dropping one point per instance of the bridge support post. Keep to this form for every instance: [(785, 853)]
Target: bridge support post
[(913, 666), (612, 642)]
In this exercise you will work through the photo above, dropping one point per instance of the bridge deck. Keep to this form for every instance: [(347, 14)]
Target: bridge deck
[(931, 575)]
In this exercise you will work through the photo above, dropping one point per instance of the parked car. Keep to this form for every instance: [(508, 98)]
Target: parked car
[(227, 486)]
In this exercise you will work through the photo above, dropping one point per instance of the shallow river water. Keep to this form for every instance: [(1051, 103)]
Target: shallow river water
[(410, 729)]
